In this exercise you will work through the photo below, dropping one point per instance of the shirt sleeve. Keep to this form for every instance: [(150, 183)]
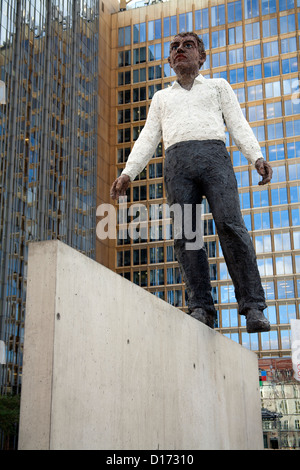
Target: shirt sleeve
[(237, 125), (147, 141)]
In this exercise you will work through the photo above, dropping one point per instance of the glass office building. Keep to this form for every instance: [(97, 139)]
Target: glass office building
[(48, 153), (254, 45)]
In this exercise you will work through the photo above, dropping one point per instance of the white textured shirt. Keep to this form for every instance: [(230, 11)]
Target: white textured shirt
[(201, 113)]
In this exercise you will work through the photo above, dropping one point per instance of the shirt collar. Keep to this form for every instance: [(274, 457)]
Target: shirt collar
[(198, 80)]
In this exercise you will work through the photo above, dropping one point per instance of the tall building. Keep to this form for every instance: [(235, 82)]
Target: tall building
[(48, 151), (254, 45)]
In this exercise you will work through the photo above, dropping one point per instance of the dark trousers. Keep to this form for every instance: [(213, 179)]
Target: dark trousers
[(195, 169)]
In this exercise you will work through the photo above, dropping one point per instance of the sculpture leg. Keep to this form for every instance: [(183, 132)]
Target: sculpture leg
[(220, 188), (183, 189)]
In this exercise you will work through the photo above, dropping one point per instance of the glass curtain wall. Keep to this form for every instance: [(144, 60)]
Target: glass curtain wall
[(49, 64)]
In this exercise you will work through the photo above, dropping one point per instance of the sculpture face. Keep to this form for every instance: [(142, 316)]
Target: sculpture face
[(185, 55)]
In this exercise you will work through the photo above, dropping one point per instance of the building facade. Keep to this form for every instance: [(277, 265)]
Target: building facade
[(48, 146), (254, 45)]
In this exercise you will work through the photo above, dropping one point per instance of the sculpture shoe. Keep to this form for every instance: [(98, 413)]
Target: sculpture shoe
[(201, 315), (256, 322)]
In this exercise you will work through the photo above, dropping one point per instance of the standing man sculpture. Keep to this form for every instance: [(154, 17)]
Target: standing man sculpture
[(190, 117)]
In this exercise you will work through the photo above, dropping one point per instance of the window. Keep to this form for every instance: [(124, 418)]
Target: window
[(124, 36), (280, 218), (263, 243), (153, 89), (140, 256), (156, 254), (154, 52), (285, 289), (229, 317), (140, 278), (156, 277), (279, 196), (253, 52), (291, 107), (154, 72), (293, 149), (265, 266), (123, 135), (268, 6), (235, 35), (289, 65), (271, 68), (170, 26), (251, 8), (269, 340), (139, 94), (272, 89), (292, 128), (290, 86), (124, 58), (252, 31), (139, 55), (218, 38), (286, 4), (273, 110), (173, 276), (139, 33), (254, 72), (123, 258), (139, 193), (124, 78), (275, 131), (219, 59), (287, 24), (139, 75), (155, 191), (270, 27), (284, 264), (154, 30), (256, 113), (234, 10), (124, 115), (123, 154), (237, 76), (227, 294), (276, 152), (255, 93), (260, 198), (295, 193), (268, 287), (124, 97), (240, 92), (288, 45), (201, 19), (242, 178), (136, 132), (282, 241), (294, 171), (185, 22), (259, 132), (261, 220), (218, 15), (139, 114), (270, 48), (236, 55)]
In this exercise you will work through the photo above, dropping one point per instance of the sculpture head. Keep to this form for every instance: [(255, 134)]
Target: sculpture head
[(187, 53)]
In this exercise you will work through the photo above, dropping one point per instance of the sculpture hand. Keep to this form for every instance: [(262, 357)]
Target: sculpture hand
[(265, 170), (119, 186)]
